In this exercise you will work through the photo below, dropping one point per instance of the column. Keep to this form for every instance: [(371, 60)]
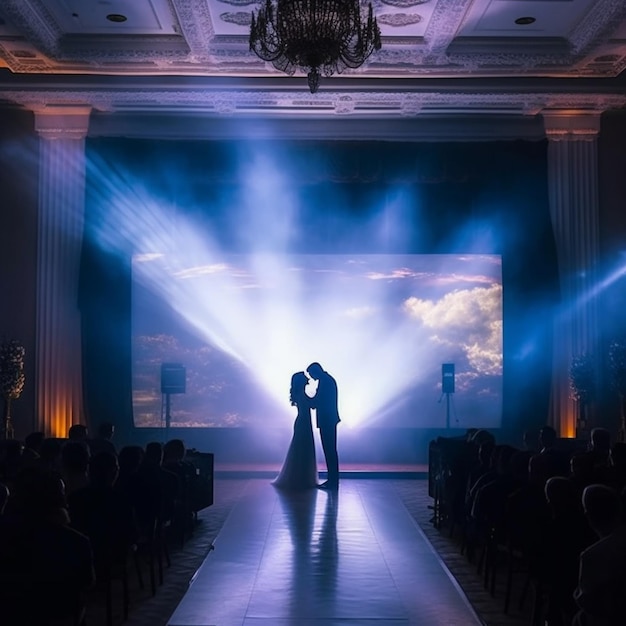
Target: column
[(574, 207), (62, 132)]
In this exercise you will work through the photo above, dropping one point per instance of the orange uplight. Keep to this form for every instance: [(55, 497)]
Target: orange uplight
[(568, 422)]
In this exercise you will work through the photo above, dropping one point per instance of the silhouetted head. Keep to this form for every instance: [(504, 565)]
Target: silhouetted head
[(581, 466), (154, 453), (562, 496), (485, 451), (38, 493), (315, 371), (50, 451), (106, 430), (547, 437), (75, 457), (601, 440), (481, 436), (129, 459), (298, 383), (34, 441), (77, 432), (174, 450), (4, 496), (530, 439), (103, 469), (618, 455), (603, 508)]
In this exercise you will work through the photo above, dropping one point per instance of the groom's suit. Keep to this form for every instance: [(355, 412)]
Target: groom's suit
[(325, 404)]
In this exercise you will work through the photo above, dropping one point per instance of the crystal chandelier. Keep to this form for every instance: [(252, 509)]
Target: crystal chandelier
[(321, 37)]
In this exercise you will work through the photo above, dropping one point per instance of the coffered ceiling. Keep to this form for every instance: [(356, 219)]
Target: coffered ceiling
[(438, 57)]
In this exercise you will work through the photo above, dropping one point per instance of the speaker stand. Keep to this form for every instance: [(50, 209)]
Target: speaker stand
[(447, 395), (168, 416)]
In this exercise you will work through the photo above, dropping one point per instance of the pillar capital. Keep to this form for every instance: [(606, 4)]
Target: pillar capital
[(62, 122), (571, 125)]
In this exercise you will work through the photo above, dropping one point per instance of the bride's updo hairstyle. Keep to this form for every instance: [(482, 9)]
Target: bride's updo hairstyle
[(298, 382)]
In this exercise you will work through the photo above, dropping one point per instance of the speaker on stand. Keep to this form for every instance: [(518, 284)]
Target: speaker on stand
[(447, 387), (173, 380)]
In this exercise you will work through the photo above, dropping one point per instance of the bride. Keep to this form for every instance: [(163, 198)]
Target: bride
[(299, 470)]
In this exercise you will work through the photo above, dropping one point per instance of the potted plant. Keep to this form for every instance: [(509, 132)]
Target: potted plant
[(11, 381), (617, 365), (582, 377)]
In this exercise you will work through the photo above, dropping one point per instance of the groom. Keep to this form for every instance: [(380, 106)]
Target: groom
[(325, 404)]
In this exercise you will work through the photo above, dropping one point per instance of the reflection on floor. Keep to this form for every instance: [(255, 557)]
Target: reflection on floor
[(353, 557)]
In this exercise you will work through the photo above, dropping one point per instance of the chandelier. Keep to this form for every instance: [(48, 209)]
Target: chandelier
[(321, 37)]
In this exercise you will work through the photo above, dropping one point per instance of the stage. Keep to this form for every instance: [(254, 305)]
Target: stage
[(355, 556), (346, 470)]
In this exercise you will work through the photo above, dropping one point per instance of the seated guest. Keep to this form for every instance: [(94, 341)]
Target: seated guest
[(104, 515), (601, 590), (558, 461), (600, 454), (618, 462), (74, 466), (10, 460), (45, 566), (4, 496), (158, 487), (103, 442), (77, 432), (530, 439), (49, 455), (129, 461), (567, 535), (32, 447), (582, 474), (174, 461)]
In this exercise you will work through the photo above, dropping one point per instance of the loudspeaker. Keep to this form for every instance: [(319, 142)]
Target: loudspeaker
[(447, 378), (173, 377)]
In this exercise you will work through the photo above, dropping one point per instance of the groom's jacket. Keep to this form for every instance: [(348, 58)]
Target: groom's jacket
[(325, 402)]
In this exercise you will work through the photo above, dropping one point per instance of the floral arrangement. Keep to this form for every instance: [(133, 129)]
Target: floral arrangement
[(617, 364), (582, 378), (11, 369)]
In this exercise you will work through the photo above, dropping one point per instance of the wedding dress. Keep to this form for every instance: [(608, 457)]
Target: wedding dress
[(299, 470)]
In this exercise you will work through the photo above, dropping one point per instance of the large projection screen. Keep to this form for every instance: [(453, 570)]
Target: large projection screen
[(382, 325)]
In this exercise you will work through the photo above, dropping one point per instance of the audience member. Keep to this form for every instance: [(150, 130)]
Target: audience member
[(557, 462), (4, 496), (74, 466), (567, 534), (103, 442), (77, 432), (45, 566), (601, 590), (158, 487), (104, 515), (32, 448), (10, 460), (49, 455)]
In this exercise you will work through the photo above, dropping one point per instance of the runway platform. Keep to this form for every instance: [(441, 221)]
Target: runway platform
[(348, 558)]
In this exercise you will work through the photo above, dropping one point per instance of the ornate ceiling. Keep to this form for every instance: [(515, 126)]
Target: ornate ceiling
[(439, 57)]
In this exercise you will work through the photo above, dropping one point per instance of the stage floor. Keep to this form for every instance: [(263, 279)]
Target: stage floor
[(347, 470), (353, 557)]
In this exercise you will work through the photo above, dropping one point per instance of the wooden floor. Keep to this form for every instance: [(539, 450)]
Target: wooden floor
[(353, 557)]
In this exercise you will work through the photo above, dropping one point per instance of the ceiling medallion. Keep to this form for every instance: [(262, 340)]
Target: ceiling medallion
[(319, 37), (525, 21), (403, 4), (118, 18), (241, 18), (399, 19)]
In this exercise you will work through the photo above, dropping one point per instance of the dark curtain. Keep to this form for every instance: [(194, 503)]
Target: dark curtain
[(457, 197)]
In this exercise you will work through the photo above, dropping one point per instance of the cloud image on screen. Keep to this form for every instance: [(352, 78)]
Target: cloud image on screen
[(382, 325)]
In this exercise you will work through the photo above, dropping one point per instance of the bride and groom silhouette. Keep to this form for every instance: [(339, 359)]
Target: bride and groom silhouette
[(299, 469)]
